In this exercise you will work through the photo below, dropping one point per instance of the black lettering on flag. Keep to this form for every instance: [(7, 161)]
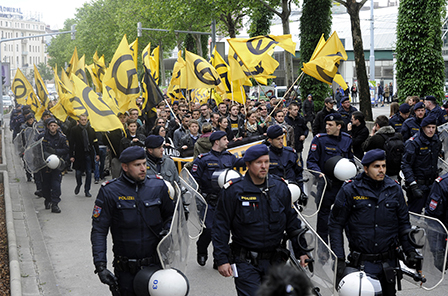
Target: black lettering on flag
[(201, 74), (257, 50), (85, 96), (19, 88), (130, 75)]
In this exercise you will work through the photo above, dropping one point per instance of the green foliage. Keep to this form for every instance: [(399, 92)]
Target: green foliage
[(45, 72), (315, 20), (261, 17), (420, 65)]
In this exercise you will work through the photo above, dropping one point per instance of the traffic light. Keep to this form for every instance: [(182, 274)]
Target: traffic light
[(73, 32), (3, 80), (139, 29)]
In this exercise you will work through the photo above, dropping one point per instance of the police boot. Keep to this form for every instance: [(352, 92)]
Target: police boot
[(47, 204), (55, 208), (39, 193), (202, 259)]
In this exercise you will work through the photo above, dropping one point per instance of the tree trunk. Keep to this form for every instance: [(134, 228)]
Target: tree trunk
[(197, 38), (288, 58), (361, 72)]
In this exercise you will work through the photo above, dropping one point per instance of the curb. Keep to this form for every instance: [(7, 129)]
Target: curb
[(14, 266)]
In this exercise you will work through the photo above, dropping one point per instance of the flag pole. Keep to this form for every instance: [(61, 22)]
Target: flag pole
[(301, 75), (110, 143)]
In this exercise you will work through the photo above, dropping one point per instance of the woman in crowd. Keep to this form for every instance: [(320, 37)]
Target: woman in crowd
[(223, 125), (252, 127)]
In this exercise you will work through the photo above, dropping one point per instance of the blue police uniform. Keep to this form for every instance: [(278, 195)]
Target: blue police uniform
[(16, 122), (51, 179), (396, 121), (377, 219), (419, 164), (257, 217), (203, 168), (136, 213), (347, 115), (410, 127), (324, 147), (285, 163), (440, 114)]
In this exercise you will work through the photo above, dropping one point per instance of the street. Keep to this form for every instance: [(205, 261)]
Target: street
[(55, 249)]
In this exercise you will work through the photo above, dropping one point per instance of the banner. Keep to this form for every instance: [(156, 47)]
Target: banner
[(80, 70), (178, 82), (133, 47), (21, 88), (151, 94), (154, 64), (42, 93), (73, 62), (100, 68), (261, 72), (146, 53)]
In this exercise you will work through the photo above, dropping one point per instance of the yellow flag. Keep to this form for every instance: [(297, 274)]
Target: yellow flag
[(21, 88), (73, 62), (80, 70), (154, 64), (233, 88), (146, 53), (102, 112), (100, 68), (134, 49), (340, 80), (200, 74), (326, 59), (261, 72), (122, 70), (94, 78), (42, 93), (178, 81), (63, 107)]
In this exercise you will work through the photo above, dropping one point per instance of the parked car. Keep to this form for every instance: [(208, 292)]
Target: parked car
[(7, 103)]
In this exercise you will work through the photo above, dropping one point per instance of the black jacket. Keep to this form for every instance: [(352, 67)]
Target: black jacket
[(300, 128), (319, 121), (359, 135), (77, 146)]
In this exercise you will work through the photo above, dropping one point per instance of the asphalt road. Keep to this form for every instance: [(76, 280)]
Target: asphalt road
[(55, 249)]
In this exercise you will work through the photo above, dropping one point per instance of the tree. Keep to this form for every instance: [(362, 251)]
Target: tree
[(353, 8), (315, 21), (420, 65), (284, 16), (61, 47), (45, 72), (229, 15), (260, 21)]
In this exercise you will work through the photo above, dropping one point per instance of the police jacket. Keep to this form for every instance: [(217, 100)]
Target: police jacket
[(284, 163), (164, 166), (135, 213), (206, 164), (419, 161), (347, 115), (396, 121), (300, 128), (410, 127), (375, 212), (16, 121), (257, 220), (439, 113), (58, 142), (323, 147), (436, 204), (319, 122)]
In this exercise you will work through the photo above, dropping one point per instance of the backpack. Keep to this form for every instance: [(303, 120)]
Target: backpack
[(394, 147)]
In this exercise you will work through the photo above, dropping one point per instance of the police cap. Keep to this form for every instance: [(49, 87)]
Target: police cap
[(333, 117), (404, 108), (419, 105), (430, 98), (428, 120), (274, 131), (344, 99), (154, 141), (132, 153), (329, 100), (255, 152), (373, 155), (50, 120), (29, 116), (217, 136)]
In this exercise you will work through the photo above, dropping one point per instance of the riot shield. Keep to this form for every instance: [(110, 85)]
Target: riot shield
[(358, 164), (314, 188), (30, 134), (18, 144), (434, 250), (173, 248), (34, 157), (322, 271), (442, 166), (443, 136), (196, 204)]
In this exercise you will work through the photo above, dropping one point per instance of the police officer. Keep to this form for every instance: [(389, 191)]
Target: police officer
[(346, 110), (16, 120), (54, 142), (27, 131), (324, 147), (257, 210), (397, 120), (203, 168), (434, 109), (157, 163), (373, 207), (419, 163), (138, 211), (283, 161), (412, 125)]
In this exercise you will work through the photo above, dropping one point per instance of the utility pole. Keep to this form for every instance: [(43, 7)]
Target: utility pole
[(372, 49)]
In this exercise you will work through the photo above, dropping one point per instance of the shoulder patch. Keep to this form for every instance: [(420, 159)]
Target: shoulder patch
[(200, 155), (195, 167), (157, 176), (313, 147), (108, 182), (411, 138), (396, 181), (348, 181), (227, 185), (439, 179), (319, 135)]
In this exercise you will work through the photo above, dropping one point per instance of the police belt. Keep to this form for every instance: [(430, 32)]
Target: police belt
[(246, 254), (122, 263), (358, 257), (427, 182)]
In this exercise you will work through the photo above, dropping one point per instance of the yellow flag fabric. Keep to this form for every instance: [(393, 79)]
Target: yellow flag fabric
[(261, 72), (200, 95), (146, 53), (102, 112), (95, 81), (154, 64), (134, 49), (100, 68), (178, 81), (73, 62), (66, 83), (325, 62), (233, 88), (42, 93), (319, 46), (21, 88), (80, 70), (340, 80), (122, 70), (63, 107), (200, 74)]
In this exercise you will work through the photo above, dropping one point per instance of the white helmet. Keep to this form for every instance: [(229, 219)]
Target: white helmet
[(295, 191), (171, 190), (52, 161), (345, 169), (226, 175), (359, 284), (154, 281)]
